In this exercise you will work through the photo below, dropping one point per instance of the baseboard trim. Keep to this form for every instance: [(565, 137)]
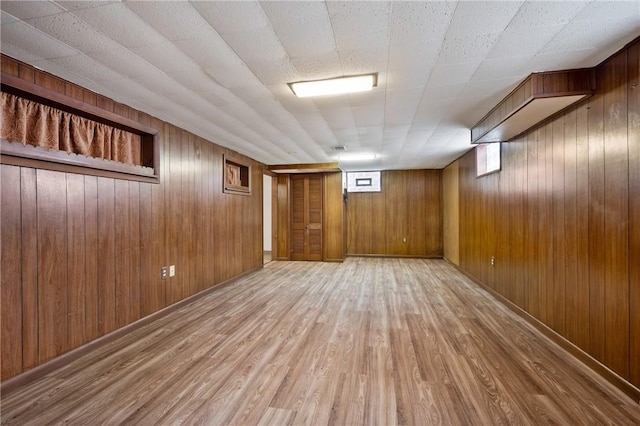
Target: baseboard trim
[(582, 356), (396, 256), (35, 373)]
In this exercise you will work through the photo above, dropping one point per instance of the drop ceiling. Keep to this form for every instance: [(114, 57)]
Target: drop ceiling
[(220, 69)]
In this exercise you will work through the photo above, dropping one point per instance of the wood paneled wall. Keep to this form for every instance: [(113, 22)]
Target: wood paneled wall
[(409, 207), (451, 213), (333, 232), (562, 219), (333, 224), (82, 255)]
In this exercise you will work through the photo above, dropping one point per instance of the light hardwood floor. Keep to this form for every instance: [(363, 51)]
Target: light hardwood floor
[(370, 341)]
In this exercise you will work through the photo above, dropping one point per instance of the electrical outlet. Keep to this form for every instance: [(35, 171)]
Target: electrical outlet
[(404, 240), (493, 261), (164, 272), (172, 270)]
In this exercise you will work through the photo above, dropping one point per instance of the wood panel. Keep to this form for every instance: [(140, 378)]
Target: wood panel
[(565, 210), (28, 206), (76, 253), (556, 297), (106, 256), (11, 302), (616, 225), (283, 220), (404, 219), (333, 229), (52, 264), (596, 224), (84, 253), (451, 213), (633, 105)]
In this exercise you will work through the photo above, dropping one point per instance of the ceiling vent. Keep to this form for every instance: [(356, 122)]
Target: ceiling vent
[(339, 148)]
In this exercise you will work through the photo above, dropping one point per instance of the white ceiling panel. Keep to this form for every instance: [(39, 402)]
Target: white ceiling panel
[(220, 69), (25, 10), (34, 42), (522, 41), (215, 56), (231, 16), (497, 68), (543, 13), (87, 4), (444, 74), (595, 34), (482, 17), (6, 18), (74, 32), (303, 28), (87, 67), (119, 23), (175, 20), (472, 48), (401, 106)]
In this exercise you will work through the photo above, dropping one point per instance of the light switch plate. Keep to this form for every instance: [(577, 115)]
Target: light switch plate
[(172, 270)]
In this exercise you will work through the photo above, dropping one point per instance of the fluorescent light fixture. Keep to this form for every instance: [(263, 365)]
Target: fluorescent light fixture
[(334, 86), (357, 156)]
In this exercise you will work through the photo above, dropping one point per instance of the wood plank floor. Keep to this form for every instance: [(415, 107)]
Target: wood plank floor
[(370, 341)]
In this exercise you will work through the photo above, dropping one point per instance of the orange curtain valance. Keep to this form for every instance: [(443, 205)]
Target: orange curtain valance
[(32, 123)]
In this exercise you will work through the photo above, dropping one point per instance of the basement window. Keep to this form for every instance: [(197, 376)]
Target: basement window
[(488, 158), (363, 182)]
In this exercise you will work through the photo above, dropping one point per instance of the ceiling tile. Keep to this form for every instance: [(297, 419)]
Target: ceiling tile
[(174, 20), (25, 10), (498, 68), (125, 63), (543, 13), (470, 48), (303, 28), (521, 41), (6, 18), (481, 17), (74, 32), (34, 41), (119, 23)]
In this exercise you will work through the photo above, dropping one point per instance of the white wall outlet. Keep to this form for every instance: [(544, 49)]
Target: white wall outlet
[(163, 273), (172, 270)]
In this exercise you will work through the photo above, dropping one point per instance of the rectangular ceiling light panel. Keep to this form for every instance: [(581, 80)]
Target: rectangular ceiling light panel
[(334, 86)]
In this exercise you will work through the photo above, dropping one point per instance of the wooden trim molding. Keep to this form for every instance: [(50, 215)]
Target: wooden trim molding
[(399, 256), (539, 97), (305, 168), (29, 376), (595, 365), (43, 158), (17, 149)]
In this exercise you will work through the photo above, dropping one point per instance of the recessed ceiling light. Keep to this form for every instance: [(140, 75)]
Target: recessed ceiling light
[(334, 86), (357, 156)]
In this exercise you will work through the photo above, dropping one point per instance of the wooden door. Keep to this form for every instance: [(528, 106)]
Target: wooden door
[(306, 217)]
